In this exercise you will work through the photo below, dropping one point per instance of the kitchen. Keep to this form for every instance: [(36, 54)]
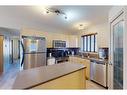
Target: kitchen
[(65, 47)]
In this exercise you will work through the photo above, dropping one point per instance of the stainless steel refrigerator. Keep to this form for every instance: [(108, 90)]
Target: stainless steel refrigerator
[(33, 52)]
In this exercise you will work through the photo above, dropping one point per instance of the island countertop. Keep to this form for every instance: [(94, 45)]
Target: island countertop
[(30, 78)]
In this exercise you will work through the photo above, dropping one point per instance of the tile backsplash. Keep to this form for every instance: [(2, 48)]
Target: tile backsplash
[(90, 54)]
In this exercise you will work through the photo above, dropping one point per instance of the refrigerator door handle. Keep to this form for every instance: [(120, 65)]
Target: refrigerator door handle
[(22, 60)]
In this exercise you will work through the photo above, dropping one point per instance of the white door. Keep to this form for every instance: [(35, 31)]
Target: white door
[(115, 67)]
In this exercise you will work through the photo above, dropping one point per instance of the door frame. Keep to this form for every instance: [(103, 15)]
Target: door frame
[(1, 57), (125, 50), (119, 17), (12, 59)]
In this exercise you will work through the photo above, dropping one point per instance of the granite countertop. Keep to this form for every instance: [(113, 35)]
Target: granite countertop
[(32, 77)]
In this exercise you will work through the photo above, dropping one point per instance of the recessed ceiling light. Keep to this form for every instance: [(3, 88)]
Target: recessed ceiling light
[(81, 26)]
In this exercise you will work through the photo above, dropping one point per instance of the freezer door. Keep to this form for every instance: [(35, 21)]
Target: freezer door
[(41, 45), (34, 60), (34, 44)]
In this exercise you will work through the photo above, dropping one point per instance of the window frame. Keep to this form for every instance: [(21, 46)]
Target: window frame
[(86, 46)]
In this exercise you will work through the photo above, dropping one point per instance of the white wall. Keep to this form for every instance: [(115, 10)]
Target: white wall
[(102, 34), (71, 40), (102, 31)]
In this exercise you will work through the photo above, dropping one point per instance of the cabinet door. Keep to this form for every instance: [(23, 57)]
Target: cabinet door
[(82, 61), (76, 59), (70, 59), (73, 59), (87, 63)]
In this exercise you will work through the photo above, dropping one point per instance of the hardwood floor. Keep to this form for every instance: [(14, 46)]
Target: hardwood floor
[(7, 79)]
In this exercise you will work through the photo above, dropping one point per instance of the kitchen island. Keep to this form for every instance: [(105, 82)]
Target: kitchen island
[(86, 61), (59, 76)]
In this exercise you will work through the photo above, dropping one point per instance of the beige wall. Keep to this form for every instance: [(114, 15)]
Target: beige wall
[(102, 31), (70, 39)]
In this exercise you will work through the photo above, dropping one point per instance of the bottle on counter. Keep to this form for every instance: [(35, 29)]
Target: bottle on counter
[(51, 60), (72, 53)]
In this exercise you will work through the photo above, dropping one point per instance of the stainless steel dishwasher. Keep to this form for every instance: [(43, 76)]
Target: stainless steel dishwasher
[(98, 72)]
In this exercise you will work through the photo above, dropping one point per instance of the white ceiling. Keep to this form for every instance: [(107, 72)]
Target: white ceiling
[(33, 16)]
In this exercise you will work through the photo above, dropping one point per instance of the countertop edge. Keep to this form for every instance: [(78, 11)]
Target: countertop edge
[(55, 77)]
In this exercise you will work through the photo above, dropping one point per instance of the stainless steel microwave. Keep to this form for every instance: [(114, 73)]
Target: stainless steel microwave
[(59, 44)]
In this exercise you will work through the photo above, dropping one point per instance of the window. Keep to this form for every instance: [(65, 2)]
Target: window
[(89, 43)]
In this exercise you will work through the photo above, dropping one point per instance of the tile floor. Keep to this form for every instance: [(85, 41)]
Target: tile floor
[(90, 85)]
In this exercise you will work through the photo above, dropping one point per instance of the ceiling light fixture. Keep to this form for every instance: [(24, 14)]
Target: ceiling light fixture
[(81, 26), (56, 11)]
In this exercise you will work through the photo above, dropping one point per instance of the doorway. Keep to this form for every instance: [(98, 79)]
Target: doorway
[(116, 52), (15, 50), (9, 52)]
